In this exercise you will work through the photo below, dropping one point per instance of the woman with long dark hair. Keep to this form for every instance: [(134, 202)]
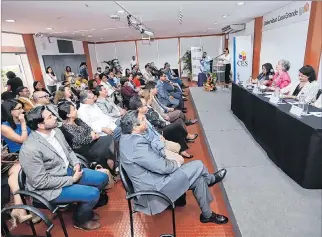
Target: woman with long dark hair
[(51, 80), (13, 127), (38, 87), (84, 140), (69, 75), (266, 74)]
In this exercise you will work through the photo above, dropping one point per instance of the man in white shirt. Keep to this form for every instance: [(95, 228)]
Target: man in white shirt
[(53, 171), (133, 62), (91, 114)]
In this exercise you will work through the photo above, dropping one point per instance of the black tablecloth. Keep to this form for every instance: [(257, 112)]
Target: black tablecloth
[(294, 144)]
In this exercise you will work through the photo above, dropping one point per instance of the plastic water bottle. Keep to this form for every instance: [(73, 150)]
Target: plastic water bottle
[(301, 100)]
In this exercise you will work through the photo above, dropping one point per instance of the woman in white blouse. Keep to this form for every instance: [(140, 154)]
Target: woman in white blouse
[(51, 80), (227, 62), (306, 86)]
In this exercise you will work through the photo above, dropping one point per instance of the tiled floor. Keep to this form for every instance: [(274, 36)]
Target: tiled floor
[(115, 217)]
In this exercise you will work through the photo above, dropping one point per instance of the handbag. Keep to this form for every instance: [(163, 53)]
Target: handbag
[(8, 160)]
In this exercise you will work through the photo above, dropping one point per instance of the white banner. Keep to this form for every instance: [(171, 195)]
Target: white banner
[(196, 56), (291, 13), (242, 58)]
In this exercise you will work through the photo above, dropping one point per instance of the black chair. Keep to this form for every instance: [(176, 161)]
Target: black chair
[(130, 195), (318, 94), (40, 202), (5, 230)]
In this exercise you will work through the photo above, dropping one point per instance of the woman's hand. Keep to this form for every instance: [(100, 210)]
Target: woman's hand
[(170, 109), (21, 118), (162, 138), (94, 135)]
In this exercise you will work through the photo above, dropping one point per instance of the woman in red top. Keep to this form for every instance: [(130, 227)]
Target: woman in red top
[(136, 80)]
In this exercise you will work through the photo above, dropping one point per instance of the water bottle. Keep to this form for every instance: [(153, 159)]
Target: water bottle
[(301, 100)]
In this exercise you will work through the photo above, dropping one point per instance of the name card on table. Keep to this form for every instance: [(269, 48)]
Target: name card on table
[(274, 100), (297, 111)]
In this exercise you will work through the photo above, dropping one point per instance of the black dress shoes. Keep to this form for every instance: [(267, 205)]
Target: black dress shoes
[(220, 175), (214, 218)]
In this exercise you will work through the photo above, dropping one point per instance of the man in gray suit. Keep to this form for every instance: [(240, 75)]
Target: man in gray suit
[(149, 170), (54, 172)]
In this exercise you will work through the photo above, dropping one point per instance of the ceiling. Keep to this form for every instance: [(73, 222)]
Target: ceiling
[(90, 20)]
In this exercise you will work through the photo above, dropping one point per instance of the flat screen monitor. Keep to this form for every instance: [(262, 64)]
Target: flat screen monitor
[(65, 46)]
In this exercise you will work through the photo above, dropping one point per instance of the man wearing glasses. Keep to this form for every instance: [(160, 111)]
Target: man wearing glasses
[(42, 98)]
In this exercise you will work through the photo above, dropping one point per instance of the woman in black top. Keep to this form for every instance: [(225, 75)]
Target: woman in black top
[(38, 87), (83, 140), (266, 74)]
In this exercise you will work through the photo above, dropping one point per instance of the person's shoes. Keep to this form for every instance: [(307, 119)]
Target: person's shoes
[(95, 217), (184, 99), (89, 225), (191, 121), (214, 218), (192, 139), (219, 175)]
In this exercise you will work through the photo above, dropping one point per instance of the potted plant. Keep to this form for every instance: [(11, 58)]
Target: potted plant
[(186, 60)]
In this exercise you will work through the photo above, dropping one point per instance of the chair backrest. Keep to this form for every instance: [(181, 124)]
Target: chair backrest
[(22, 180), (318, 94), (127, 184)]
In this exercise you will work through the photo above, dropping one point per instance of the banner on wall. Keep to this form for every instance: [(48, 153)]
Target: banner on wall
[(242, 58), (291, 13), (196, 56)]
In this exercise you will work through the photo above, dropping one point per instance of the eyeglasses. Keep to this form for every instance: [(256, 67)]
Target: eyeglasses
[(17, 108), (45, 96)]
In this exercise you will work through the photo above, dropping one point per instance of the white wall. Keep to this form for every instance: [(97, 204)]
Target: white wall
[(285, 39), (45, 48), (159, 51), (15, 40)]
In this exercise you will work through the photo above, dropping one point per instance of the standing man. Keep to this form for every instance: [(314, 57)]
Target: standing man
[(133, 62)]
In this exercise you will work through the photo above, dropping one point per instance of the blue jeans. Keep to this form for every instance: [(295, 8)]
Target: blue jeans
[(86, 193)]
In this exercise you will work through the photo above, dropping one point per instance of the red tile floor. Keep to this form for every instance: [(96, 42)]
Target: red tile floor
[(115, 217)]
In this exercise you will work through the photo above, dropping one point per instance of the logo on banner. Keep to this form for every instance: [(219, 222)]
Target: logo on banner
[(242, 62), (304, 9)]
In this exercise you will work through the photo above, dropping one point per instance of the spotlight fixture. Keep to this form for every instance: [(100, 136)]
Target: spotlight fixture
[(149, 33), (120, 12), (224, 16), (10, 21), (49, 28)]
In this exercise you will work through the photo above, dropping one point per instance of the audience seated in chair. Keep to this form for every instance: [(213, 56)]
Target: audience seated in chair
[(173, 132), (92, 115), (164, 97), (53, 170), (149, 170), (84, 141), (169, 114), (24, 96), (14, 130), (42, 98), (108, 108)]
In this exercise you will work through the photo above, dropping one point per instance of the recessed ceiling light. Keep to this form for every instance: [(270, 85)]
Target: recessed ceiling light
[(241, 3), (10, 21), (89, 36), (215, 23), (102, 38), (83, 35), (224, 16), (49, 28), (120, 11)]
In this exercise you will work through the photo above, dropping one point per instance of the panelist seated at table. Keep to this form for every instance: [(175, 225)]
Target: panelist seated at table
[(307, 86), (266, 75), (281, 78)]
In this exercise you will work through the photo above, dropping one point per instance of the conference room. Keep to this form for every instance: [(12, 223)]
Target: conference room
[(161, 118)]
